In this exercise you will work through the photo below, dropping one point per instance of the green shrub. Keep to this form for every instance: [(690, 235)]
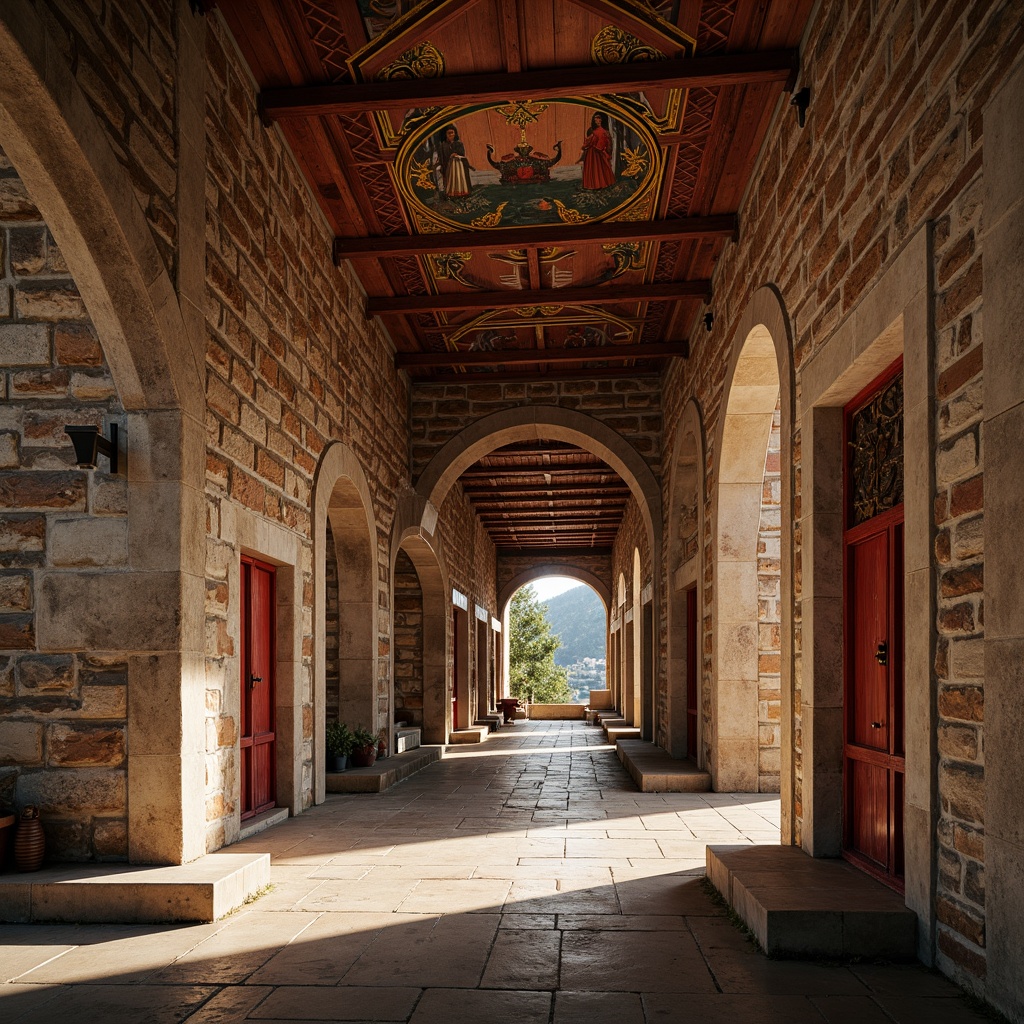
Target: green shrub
[(338, 740)]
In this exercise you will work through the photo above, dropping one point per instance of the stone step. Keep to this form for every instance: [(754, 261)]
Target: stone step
[(656, 771), (406, 738), (474, 734), (610, 718), (204, 890), (493, 722), (802, 906), (383, 774), (621, 732)]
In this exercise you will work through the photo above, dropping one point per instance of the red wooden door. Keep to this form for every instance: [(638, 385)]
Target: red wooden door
[(258, 769), (873, 749), (691, 673)]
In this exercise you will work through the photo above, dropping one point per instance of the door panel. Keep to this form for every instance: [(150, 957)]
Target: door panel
[(258, 768), (868, 713)]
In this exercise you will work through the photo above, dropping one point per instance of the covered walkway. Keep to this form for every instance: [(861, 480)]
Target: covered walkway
[(526, 880)]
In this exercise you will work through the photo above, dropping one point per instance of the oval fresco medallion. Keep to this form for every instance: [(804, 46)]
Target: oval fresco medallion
[(528, 162)]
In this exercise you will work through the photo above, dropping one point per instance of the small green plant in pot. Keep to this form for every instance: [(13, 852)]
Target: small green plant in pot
[(338, 744), (364, 748)]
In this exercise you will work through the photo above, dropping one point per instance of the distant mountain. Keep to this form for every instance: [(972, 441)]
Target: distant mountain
[(578, 617)]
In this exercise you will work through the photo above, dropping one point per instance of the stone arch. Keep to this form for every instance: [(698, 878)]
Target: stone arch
[(427, 556), (341, 497), (87, 200), (620, 648), (543, 569), (535, 423), (759, 378), (554, 423), (685, 552)]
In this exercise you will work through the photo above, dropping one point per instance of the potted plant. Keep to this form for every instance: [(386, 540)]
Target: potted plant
[(338, 744), (382, 743), (364, 748)]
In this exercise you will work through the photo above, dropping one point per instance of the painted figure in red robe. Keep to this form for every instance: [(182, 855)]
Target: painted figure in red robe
[(596, 155)]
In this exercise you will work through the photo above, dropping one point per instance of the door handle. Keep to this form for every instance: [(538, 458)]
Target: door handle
[(878, 725), (882, 653), (254, 680)]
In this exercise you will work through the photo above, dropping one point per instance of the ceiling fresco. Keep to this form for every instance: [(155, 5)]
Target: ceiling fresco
[(526, 178)]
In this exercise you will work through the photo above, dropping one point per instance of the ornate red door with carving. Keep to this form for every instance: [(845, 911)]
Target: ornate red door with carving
[(874, 756), (258, 769)]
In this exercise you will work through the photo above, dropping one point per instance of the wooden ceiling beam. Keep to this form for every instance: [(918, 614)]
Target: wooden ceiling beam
[(354, 99), (541, 236), (568, 491), (511, 298), (530, 376), (487, 473), (544, 552), (509, 357)]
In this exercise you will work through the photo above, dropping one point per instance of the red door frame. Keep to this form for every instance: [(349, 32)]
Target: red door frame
[(893, 759), (249, 741)]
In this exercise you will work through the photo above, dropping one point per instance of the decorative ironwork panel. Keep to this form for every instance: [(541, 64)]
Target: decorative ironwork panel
[(876, 454)]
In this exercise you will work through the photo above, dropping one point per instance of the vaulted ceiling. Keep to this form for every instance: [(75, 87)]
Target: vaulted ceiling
[(528, 189)]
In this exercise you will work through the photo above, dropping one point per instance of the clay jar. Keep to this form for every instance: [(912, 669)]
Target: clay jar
[(29, 843)]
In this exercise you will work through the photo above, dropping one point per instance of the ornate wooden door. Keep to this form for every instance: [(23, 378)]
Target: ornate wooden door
[(258, 768), (874, 755)]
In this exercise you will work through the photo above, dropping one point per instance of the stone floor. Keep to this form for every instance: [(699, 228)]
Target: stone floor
[(524, 880)]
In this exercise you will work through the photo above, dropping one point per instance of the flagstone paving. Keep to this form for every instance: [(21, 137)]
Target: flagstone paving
[(522, 880)]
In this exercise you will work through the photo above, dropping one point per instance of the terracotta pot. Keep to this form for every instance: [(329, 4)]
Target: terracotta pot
[(337, 764), (6, 836), (29, 843), (363, 757)]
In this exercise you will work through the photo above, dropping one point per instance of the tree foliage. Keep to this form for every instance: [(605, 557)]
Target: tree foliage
[(534, 675)]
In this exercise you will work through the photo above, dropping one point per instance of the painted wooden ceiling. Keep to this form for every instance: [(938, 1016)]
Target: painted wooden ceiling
[(528, 189)]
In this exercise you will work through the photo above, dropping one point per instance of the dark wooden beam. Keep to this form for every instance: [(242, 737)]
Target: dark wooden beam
[(471, 377), (510, 357), (541, 236), (568, 491), (543, 552), (487, 474), (712, 72), (511, 298)]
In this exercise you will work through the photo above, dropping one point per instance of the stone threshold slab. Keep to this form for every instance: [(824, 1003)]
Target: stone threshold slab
[(656, 771), (474, 734), (204, 890), (802, 906), (621, 732), (383, 774)]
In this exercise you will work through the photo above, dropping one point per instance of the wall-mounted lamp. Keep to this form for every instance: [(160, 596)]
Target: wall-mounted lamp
[(801, 100), (709, 321), (90, 443)]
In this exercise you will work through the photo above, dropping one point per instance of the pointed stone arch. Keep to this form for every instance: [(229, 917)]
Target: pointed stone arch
[(341, 498), (759, 378)]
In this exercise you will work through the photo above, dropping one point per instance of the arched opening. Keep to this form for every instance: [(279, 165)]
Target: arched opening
[(344, 531), (579, 614), (683, 718), (744, 753), (621, 695)]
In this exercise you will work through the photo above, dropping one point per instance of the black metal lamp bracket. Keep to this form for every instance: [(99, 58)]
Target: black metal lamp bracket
[(89, 443)]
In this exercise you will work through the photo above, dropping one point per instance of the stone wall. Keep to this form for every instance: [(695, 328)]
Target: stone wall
[(600, 565), (631, 406), (332, 668), (769, 618), (893, 141), (63, 711), (291, 365), (408, 641)]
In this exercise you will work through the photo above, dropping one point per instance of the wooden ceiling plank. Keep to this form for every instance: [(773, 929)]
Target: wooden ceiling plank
[(508, 29), (377, 305), (609, 353), (538, 237), (402, 94), (564, 552)]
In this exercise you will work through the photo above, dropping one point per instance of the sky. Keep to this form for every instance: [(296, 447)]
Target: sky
[(550, 586)]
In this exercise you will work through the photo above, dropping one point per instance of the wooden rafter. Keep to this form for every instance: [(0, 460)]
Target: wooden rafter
[(754, 68), (540, 236), (543, 552), (378, 305), (508, 357)]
